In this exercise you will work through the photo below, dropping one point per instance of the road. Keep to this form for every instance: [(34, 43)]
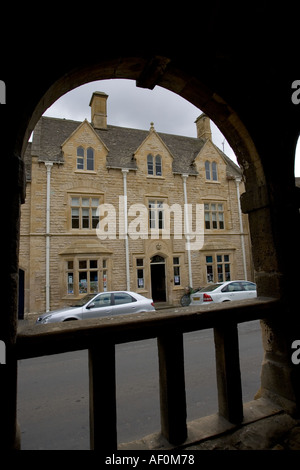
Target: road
[(53, 391)]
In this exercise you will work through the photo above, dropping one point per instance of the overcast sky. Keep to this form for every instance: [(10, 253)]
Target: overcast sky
[(130, 106)]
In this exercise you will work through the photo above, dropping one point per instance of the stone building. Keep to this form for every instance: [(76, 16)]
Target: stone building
[(110, 208)]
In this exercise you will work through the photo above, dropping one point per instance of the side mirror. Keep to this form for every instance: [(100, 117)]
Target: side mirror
[(91, 305)]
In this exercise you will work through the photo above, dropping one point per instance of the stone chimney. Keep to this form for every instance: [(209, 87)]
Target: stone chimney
[(203, 127), (99, 110)]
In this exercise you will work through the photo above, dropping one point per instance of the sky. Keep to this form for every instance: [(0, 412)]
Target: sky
[(130, 106)]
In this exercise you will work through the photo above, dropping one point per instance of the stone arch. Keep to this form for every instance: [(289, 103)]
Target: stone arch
[(159, 71), (260, 201)]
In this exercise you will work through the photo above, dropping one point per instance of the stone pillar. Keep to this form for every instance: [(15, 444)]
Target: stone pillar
[(275, 257)]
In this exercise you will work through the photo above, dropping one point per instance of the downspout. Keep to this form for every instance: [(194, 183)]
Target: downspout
[(237, 182), (124, 172), (49, 166), (187, 229)]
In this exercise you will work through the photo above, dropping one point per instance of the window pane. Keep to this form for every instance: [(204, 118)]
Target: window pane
[(70, 283), (176, 260), (209, 259), (140, 278), (176, 275), (220, 272), (94, 282), (75, 218), (95, 218), (85, 218), (214, 171), (227, 272), (160, 219), (75, 201), (80, 152), (82, 288), (140, 262), (90, 159), (219, 258), (102, 300), (209, 273), (70, 264), (221, 220), (150, 164), (207, 170), (80, 164), (123, 299), (158, 165), (82, 264), (207, 220), (214, 219), (95, 202), (85, 201), (93, 264)]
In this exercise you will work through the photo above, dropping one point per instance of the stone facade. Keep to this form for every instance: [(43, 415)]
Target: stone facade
[(78, 175)]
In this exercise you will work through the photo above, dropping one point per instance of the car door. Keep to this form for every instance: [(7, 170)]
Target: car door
[(236, 291), (250, 289), (100, 306), (124, 303)]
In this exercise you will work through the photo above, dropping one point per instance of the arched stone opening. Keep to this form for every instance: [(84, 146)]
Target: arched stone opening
[(260, 200)]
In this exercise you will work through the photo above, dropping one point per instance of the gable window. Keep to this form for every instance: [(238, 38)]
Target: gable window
[(154, 165), (214, 216), (84, 212), (85, 159), (211, 171)]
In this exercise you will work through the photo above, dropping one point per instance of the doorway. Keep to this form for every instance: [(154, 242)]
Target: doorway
[(158, 278)]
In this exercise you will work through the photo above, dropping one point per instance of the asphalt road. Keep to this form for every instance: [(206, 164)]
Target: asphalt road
[(53, 409)]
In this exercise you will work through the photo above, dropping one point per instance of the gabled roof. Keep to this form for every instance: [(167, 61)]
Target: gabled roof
[(121, 142)]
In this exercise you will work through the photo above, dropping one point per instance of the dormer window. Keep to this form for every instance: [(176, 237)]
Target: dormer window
[(211, 171), (154, 165), (85, 159)]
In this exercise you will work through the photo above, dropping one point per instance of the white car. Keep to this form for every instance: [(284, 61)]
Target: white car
[(99, 305), (224, 291)]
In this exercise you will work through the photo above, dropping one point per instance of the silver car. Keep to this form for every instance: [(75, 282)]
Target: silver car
[(224, 291), (100, 305)]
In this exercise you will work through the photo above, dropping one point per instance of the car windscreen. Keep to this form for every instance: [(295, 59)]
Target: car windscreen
[(83, 301)]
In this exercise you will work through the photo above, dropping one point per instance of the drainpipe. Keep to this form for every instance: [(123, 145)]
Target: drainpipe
[(187, 228), (49, 166), (124, 172), (237, 182)]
